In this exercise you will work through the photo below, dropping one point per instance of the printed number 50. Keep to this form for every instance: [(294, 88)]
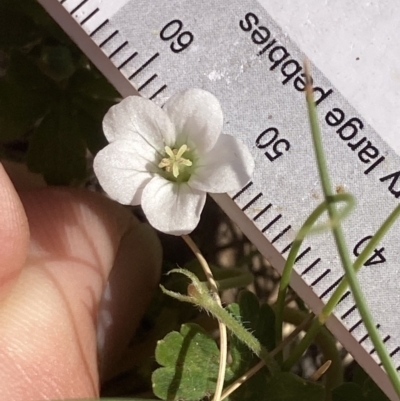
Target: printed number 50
[(270, 137)]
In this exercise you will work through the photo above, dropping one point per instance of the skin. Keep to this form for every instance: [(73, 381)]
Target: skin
[(57, 249)]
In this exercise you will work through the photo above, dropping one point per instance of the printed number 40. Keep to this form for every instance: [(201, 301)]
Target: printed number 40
[(377, 256)]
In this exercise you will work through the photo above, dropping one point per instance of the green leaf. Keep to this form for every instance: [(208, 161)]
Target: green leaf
[(369, 388), (110, 399), (249, 308), (19, 110), (286, 386), (90, 83), (189, 361), (24, 71), (56, 150), (44, 25), (56, 62), (372, 392), (90, 129), (359, 375), (16, 30), (348, 392), (369, 391), (260, 320)]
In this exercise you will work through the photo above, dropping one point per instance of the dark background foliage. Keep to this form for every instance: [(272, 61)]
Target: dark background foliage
[(52, 99)]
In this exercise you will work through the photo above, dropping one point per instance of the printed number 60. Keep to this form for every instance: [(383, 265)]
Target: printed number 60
[(172, 30)]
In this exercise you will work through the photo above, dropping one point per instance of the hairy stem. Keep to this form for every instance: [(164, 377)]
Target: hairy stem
[(199, 295), (223, 336)]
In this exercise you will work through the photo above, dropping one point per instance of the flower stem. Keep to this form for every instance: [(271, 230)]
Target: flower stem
[(241, 279), (223, 336), (341, 244)]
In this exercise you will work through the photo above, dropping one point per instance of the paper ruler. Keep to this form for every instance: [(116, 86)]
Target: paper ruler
[(241, 51)]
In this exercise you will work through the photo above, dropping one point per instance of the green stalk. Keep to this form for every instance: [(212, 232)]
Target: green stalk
[(305, 342), (327, 344), (342, 247), (319, 321), (305, 229), (359, 262)]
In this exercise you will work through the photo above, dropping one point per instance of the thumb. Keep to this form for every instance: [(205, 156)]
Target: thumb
[(48, 323), (14, 234)]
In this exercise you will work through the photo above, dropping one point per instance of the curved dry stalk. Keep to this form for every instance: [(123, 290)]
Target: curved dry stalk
[(223, 336), (320, 371)]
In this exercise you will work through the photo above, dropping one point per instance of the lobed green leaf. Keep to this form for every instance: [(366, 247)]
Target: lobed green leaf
[(189, 361)]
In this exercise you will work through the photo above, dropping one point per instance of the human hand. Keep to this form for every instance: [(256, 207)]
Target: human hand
[(57, 248)]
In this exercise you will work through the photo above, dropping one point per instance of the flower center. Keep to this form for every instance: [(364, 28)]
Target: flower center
[(175, 163)]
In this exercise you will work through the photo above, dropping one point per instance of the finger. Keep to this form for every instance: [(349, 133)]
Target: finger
[(127, 294), (14, 234), (47, 326)]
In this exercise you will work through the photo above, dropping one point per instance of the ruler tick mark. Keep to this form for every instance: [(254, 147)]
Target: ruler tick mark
[(244, 189), (93, 13), (304, 253), (349, 312), (158, 92), (255, 199), (140, 69), (271, 223), (345, 295), (363, 338), (152, 78), (131, 57), (281, 234), (108, 39), (395, 351), (262, 212), (78, 6), (318, 279), (313, 264), (331, 287), (287, 247), (385, 340), (117, 50), (367, 335), (352, 328), (101, 26)]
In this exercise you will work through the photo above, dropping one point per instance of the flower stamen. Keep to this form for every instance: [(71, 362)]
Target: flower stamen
[(175, 162)]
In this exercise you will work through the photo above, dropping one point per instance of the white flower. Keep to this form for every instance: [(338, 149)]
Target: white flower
[(167, 159)]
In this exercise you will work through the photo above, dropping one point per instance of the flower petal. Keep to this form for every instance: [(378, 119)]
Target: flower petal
[(123, 172), (135, 116), (197, 117), (227, 167), (172, 208)]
